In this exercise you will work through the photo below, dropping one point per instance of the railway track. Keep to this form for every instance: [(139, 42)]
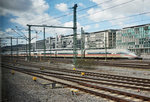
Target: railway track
[(90, 85), (108, 77), (133, 84), (94, 74), (140, 64)]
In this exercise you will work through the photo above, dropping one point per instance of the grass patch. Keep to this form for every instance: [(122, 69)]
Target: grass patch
[(86, 63)]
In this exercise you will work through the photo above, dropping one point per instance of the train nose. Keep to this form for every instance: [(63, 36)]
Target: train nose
[(133, 55)]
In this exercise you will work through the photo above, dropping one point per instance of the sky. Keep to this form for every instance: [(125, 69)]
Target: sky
[(92, 15)]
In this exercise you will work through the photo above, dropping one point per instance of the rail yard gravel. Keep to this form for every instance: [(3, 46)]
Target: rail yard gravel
[(132, 72), (21, 88)]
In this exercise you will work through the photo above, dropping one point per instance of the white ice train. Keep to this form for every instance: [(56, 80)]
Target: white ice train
[(89, 53), (100, 53)]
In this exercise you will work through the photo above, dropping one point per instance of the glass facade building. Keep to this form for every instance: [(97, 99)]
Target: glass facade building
[(135, 38)]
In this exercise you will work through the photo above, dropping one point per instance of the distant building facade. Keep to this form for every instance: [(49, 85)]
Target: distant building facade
[(101, 39), (92, 40), (62, 42), (135, 38)]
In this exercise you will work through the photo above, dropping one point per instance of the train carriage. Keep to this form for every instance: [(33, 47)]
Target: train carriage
[(88, 53), (110, 53)]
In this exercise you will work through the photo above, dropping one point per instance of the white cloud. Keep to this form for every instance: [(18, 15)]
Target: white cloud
[(8, 30), (98, 16), (69, 31), (87, 27), (37, 15), (32, 15), (102, 13), (96, 25), (35, 19), (16, 5), (36, 12), (39, 6), (96, 1), (6, 33), (11, 6), (62, 7), (2, 34), (82, 5)]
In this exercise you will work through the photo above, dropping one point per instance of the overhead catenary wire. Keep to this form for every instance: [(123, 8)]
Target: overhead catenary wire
[(108, 8), (20, 34), (13, 29), (144, 13), (123, 25), (70, 13), (100, 11), (80, 18), (51, 19), (93, 6), (85, 9)]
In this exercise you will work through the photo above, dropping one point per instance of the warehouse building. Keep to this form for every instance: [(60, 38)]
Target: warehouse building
[(135, 38)]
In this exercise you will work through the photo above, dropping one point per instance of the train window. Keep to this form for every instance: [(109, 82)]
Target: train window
[(121, 53), (99, 53), (65, 53), (95, 52), (109, 53)]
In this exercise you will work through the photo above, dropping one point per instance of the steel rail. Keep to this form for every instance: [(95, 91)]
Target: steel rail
[(117, 99), (144, 98), (100, 81), (118, 77)]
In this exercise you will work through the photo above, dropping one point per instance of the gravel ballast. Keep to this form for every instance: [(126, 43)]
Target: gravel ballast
[(21, 88), (123, 71)]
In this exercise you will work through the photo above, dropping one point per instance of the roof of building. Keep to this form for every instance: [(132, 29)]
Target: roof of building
[(105, 30), (136, 26)]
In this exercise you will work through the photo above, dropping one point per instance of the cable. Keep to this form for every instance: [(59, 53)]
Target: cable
[(21, 32), (20, 35), (94, 5), (70, 13), (108, 27), (109, 8), (118, 18)]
